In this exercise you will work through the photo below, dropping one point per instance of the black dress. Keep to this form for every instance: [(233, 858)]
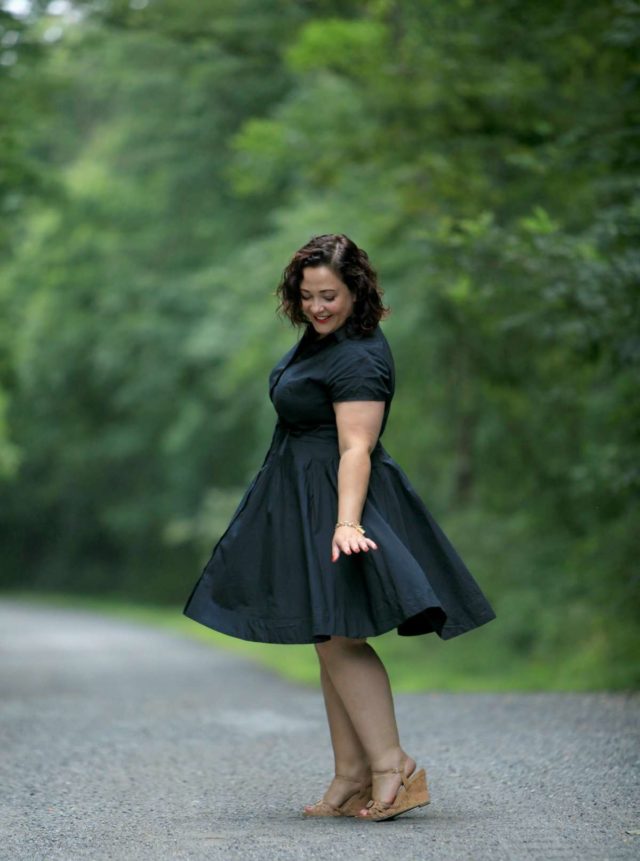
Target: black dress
[(270, 577)]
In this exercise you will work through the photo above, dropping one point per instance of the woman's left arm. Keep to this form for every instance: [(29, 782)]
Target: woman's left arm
[(359, 424)]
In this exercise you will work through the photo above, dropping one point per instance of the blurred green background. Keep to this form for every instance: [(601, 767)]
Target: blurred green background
[(162, 160)]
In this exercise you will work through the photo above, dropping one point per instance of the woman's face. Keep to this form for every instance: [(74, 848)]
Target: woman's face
[(326, 301)]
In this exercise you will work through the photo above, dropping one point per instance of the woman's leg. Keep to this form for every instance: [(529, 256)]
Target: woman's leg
[(349, 755), (361, 684)]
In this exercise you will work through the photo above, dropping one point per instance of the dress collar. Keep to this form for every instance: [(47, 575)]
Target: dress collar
[(340, 334)]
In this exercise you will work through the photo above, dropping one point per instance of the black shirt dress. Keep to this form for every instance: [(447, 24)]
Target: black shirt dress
[(270, 577)]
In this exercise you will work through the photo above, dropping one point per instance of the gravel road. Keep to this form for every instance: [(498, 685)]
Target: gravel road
[(123, 742)]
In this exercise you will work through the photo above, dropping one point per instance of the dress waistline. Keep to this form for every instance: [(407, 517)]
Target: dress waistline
[(328, 431), (313, 436)]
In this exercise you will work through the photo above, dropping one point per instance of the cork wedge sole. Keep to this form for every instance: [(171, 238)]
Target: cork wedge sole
[(412, 793)]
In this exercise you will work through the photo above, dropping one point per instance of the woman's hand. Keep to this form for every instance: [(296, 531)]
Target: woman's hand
[(350, 540)]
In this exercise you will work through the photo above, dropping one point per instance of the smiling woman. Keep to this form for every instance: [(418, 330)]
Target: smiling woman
[(297, 565), (325, 300), (332, 277)]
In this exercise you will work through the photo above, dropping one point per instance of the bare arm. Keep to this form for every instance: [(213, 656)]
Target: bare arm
[(359, 424)]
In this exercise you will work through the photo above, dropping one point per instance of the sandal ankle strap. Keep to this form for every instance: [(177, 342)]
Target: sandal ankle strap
[(400, 771)]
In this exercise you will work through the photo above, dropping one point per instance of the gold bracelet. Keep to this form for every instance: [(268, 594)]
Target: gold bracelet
[(357, 526)]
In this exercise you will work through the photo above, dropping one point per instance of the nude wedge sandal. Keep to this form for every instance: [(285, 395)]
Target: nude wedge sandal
[(350, 807), (413, 793)]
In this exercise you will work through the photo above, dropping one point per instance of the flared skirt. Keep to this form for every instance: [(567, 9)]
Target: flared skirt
[(270, 577)]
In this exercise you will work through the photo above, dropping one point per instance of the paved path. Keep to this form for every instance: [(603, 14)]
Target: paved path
[(126, 743)]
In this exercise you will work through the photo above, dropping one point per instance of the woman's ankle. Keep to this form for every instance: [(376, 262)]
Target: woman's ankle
[(353, 770), (394, 758)]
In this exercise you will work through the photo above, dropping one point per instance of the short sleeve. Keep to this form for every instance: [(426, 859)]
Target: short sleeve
[(359, 376)]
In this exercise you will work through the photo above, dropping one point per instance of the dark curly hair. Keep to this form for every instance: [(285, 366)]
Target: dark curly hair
[(351, 265)]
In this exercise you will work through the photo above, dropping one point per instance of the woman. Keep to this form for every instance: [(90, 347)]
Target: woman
[(296, 565)]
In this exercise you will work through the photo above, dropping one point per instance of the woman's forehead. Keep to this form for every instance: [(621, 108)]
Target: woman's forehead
[(319, 278)]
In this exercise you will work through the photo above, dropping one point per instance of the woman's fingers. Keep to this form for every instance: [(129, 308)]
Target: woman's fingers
[(358, 544), (351, 545)]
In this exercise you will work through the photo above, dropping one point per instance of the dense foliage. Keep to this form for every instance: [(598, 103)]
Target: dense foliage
[(163, 161)]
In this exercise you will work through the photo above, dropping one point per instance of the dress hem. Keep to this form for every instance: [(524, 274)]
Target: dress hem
[(234, 624)]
